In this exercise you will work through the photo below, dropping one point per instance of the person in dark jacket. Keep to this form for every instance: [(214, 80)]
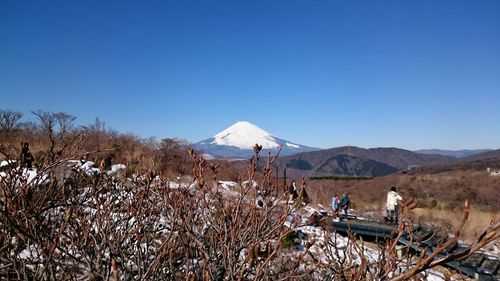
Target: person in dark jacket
[(345, 203), (108, 162), (304, 197), (292, 191), (26, 156)]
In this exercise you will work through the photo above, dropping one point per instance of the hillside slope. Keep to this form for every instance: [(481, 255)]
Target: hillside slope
[(355, 161)]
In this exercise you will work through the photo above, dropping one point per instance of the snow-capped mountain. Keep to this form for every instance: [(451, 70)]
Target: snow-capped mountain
[(237, 141)]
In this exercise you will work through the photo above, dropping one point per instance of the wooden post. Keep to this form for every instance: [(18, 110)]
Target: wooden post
[(277, 182), (284, 180)]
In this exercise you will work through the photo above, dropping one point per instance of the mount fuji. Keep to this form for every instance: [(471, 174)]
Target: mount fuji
[(237, 141)]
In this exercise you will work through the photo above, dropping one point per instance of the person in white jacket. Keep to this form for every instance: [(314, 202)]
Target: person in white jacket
[(336, 204), (392, 204)]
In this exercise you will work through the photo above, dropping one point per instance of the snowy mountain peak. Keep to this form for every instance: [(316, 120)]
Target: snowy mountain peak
[(245, 135), (237, 141)]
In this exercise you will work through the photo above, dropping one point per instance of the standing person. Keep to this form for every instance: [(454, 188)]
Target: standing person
[(101, 164), (392, 204), (304, 197), (108, 162), (345, 203), (292, 191), (336, 204), (26, 156), (385, 215), (23, 152)]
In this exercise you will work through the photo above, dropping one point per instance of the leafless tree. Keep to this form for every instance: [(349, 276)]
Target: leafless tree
[(9, 120), (79, 225), (56, 128), (173, 157)]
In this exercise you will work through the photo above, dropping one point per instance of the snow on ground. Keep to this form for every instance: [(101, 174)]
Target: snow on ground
[(26, 176), (32, 176), (494, 248), (308, 233), (7, 162), (228, 184), (174, 184), (247, 183), (116, 168), (4, 164), (318, 234), (29, 253), (88, 167)]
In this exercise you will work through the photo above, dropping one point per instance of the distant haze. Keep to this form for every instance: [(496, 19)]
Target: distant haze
[(453, 153)]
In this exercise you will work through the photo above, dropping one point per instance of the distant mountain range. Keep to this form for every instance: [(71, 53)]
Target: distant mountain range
[(374, 162), (356, 161), (237, 141), (491, 154), (477, 162), (453, 153)]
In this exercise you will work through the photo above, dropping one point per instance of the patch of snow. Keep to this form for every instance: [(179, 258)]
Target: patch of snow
[(495, 248), (27, 176), (292, 145), (228, 184), (208, 156), (32, 177), (7, 162), (116, 168), (30, 252), (245, 135), (247, 183), (435, 276), (88, 167), (307, 233), (174, 184)]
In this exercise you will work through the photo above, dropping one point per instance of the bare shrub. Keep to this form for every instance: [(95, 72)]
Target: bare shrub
[(173, 158), (93, 227), (65, 224)]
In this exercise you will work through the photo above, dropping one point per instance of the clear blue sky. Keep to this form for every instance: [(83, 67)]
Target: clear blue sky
[(409, 74)]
